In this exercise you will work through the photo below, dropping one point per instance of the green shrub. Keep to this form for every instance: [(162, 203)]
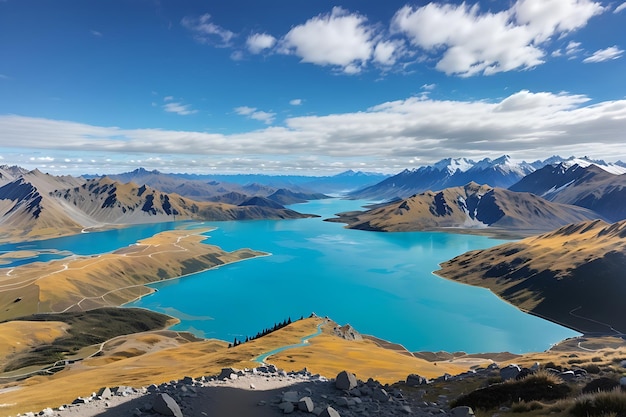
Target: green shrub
[(591, 368), (524, 407), (541, 386), (599, 404)]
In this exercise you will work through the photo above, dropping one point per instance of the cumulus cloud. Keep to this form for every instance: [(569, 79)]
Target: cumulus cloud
[(205, 31), (601, 55), (339, 39), (473, 42), (620, 8), (525, 125), (253, 113), (295, 102), (259, 42)]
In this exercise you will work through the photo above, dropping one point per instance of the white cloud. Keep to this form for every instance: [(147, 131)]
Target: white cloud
[(4, 77), (573, 48), (168, 98), (526, 125), (428, 87), (237, 56), (205, 31), (472, 42), (387, 52), (178, 108), (339, 39), (601, 55), (258, 42), (96, 33), (253, 113), (620, 8), (295, 102)]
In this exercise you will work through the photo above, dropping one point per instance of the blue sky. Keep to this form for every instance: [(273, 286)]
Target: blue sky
[(314, 87)]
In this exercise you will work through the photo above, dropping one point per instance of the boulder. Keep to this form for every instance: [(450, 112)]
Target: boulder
[(287, 407), (291, 397), (329, 412), (166, 406), (345, 381), (228, 373), (379, 394), (105, 393), (622, 382), (462, 411), (414, 380), (509, 372), (306, 404), (567, 376)]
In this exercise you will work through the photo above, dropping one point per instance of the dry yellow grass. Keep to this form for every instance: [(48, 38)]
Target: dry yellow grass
[(16, 337), (110, 279), (140, 360)]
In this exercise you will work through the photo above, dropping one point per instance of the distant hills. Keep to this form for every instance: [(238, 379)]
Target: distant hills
[(206, 186), (35, 205), (573, 275), (452, 193), (501, 172), (474, 207)]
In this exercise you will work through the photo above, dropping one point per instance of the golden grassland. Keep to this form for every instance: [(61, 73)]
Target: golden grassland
[(161, 356), (83, 283), (16, 337)]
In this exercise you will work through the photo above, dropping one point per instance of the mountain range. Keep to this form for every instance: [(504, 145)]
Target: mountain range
[(34, 205), (203, 186), (586, 185), (501, 172)]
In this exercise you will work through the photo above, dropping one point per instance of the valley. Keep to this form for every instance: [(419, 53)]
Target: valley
[(546, 274)]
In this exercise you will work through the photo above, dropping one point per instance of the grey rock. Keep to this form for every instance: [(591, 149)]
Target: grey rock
[(462, 411), (342, 402), (510, 372), (622, 381), (227, 373), (306, 404), (414, 380), (291, 397), (165, 405), (379, 394), (345, 381), (567, 375), (406, 409), (105, 393), (287, 407), (80, 400), (329, 412)]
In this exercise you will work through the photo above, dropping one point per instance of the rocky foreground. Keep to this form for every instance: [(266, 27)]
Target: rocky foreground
[(268, 391)]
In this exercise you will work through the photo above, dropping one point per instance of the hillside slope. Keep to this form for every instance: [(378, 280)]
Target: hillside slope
[(574, 275), (472, 207)]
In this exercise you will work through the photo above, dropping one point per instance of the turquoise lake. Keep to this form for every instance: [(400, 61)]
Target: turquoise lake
[(380, 283)]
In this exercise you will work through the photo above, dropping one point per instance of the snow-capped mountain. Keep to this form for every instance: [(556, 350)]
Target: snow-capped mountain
[(591, 184), (449, 172)]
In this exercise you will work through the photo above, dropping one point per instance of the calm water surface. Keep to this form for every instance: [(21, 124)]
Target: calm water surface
[(381, 283)]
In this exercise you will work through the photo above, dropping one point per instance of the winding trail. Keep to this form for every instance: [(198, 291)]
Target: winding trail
[(303, 342)]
